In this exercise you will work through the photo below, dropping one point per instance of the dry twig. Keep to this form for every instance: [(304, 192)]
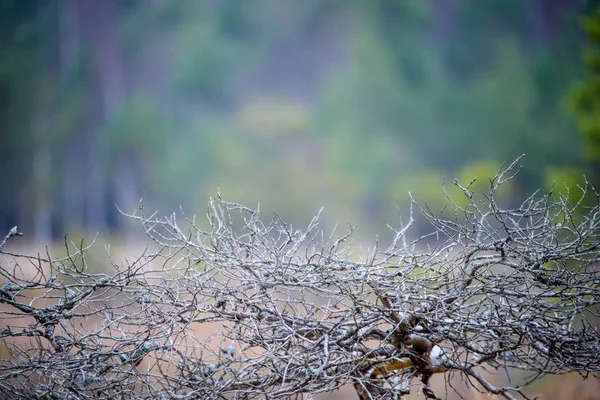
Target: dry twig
[(506, 288)]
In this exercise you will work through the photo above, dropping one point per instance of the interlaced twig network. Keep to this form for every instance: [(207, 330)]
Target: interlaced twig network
[(292, 312)]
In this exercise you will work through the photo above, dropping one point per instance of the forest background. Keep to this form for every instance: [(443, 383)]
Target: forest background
[(345, 104)]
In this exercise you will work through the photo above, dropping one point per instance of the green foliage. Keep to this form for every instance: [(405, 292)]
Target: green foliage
[(483, 173), (139, 126), (565, 182), (274, 118), (425, 188), (586, 95), (203, 68), (293, 104)]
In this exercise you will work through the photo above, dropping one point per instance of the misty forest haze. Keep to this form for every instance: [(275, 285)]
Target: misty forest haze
[(291, 104)]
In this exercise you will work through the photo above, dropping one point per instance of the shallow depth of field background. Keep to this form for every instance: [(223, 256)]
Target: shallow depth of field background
[(293, 105)]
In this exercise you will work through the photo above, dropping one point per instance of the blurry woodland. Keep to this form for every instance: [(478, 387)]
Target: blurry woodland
[(345, 104), (293, 104)]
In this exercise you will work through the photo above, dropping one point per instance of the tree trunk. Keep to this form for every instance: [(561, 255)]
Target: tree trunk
[(72, 197), (42, 213), (108, 65)]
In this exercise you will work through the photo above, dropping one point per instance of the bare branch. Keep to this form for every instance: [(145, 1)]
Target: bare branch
[(239, 306)]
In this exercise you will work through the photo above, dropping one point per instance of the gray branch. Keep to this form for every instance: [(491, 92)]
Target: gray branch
[(235, 306)]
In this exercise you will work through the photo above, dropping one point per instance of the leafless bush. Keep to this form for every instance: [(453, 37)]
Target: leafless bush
[(294, 312)]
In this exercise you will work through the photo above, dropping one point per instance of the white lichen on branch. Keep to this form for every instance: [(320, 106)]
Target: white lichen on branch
[(509, 288)]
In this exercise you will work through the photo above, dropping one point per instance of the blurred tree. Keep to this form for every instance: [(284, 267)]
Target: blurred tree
[(101, 101), (26, 97), (586, 94), (453, 82)]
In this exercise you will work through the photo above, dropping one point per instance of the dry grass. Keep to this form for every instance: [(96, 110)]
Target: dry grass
[(565, 387)]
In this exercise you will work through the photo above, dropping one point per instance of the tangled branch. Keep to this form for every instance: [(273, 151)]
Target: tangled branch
[(295, 312)]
